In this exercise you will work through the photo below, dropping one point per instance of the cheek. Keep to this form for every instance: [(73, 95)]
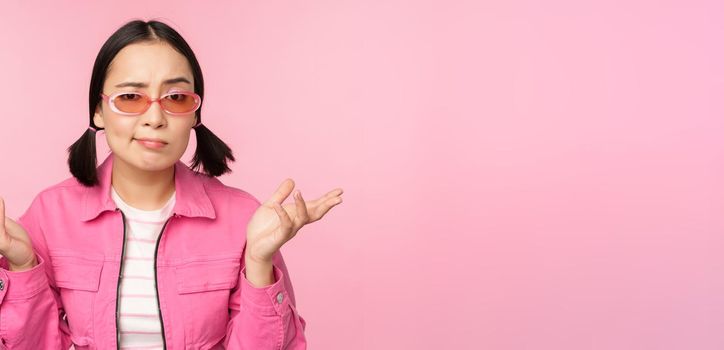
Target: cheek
[(119, 132), (180, 143), (181, 131), (116, 143), (120, 125), (120, 136)]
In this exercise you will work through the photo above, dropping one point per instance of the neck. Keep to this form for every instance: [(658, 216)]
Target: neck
[(142, 189)]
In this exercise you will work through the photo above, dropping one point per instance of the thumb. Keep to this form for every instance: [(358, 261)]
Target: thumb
[(7, 226), (2, 216), (3, 231)]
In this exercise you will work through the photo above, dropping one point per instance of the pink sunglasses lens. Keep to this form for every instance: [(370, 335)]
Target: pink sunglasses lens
[(179, 103), (131, 103)]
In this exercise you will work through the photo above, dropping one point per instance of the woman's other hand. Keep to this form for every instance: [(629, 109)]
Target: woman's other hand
[(15, 244)]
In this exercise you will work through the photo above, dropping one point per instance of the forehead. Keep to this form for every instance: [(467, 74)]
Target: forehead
[(150, 63)]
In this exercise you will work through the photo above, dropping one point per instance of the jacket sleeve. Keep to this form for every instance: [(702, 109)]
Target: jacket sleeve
[(265, 317), (31, 312)]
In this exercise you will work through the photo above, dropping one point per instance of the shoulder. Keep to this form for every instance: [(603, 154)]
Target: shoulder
[(66, 194), (218, 190), (66, 190)]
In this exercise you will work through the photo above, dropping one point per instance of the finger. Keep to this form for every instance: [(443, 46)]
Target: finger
[(12, 225), (327, 196), (282, 192), (302, 216), (323, 208), (2, 215), (3, 234), (286, 222)]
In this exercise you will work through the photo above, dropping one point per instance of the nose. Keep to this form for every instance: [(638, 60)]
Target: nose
[(154, 115)]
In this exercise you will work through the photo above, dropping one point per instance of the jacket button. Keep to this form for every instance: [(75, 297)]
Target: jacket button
[(2, 284), (280, 297)]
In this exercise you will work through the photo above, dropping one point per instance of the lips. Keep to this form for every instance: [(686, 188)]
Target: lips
[(151, 143), (151, 140)]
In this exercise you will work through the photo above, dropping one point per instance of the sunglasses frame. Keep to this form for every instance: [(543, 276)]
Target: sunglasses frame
[(110, 99)]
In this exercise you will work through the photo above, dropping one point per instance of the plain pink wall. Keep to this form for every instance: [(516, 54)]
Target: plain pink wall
[(517, 174)]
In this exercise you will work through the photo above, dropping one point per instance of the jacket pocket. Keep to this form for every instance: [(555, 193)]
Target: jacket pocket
[(77, 276), (203, 286)]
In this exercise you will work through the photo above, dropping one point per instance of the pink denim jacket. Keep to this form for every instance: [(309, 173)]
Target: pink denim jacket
[(205, 301)]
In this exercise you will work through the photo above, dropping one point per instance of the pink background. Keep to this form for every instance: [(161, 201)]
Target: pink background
[(517, 174)]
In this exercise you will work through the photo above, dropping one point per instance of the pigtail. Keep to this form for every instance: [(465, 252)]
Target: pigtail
[(82, 158), (211, 152)]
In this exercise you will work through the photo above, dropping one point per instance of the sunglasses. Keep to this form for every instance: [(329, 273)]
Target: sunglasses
[(175, 102)]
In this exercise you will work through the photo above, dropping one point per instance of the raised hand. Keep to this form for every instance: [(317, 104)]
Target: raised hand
[(274, 224), (15, 244)]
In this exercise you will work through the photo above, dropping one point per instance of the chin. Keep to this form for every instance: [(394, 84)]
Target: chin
[(155, 162), (148, 161)]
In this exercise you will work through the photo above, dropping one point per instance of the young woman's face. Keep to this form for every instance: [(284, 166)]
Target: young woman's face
[(149, 65)]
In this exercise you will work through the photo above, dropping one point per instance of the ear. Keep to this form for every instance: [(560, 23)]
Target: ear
[(98, 118)]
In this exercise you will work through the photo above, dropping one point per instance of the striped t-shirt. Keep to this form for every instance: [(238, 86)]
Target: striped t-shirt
[(139, 323)]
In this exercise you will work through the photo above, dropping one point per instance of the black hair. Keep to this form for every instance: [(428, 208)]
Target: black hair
[(211, 153)]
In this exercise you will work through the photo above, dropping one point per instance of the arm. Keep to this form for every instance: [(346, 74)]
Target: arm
[(266, 317), (31, 312), (259, 320)]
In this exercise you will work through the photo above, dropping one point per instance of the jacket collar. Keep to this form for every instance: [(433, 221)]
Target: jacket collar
[(191, 197)]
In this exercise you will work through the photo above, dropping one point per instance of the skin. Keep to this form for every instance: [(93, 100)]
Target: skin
[(144, 177)]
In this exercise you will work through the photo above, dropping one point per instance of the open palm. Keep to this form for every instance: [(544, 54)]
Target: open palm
[(274, 224)]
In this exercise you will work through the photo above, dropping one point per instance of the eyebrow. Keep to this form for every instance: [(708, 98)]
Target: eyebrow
[(144, 85)]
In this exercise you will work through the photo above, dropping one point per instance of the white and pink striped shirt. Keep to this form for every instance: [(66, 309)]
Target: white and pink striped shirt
[(139, 322)]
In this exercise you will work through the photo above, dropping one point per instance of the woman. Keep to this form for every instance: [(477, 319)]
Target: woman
[(142, 251)]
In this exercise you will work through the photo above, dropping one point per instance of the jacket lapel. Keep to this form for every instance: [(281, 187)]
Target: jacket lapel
[(192, 200)]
